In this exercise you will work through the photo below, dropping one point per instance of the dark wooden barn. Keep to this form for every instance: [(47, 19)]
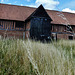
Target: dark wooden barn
[(40, 24), (36, 23)]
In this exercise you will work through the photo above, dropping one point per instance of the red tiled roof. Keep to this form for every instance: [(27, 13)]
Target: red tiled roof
[(62, 17), (13, 12), (20, 13)]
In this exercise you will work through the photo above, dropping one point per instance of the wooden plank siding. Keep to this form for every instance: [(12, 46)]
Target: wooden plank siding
[(61, 32), (73, 27), (58, 28), (9, 25), (62, 28), (27, 31), (6, 25), (11, 34), (8, 29)]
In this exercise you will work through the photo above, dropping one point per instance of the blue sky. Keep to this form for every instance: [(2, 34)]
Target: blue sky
[(60, 5)]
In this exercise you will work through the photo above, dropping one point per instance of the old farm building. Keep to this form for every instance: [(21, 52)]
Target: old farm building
[(28, 22)]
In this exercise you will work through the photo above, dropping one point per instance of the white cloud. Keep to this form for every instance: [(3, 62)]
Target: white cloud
[(32, 6), (2, 1), (68, 10), (10, 3), (21, 4), (48, 4)]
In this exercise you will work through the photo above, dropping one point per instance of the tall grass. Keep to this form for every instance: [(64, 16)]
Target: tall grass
[(19, 57)]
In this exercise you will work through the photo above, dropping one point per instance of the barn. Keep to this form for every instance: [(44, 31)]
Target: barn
[(35, 23)]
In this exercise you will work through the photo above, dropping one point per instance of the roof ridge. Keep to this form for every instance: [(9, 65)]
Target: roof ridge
[(20, 13), (36, 8)]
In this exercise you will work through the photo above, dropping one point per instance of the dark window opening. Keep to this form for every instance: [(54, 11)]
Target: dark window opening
[(19, 24), (70, 37)]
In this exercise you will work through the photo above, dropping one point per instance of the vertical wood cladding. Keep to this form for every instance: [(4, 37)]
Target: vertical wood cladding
[(8, 29), (11, 25), (62, 32), (73, 27), (27, 30), (58, 28), (11, 34), (40, 27), (28, 25), (65, 36), (62, 28), (6, 24)]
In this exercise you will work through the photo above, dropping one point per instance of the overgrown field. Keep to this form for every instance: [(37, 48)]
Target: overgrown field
[(19, 57)]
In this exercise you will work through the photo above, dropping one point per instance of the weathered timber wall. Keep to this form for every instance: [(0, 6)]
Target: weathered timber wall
[(27, 32), (73, 27), (58, 28), (9, 25), (6, 24), (8, 29), (12, 34)]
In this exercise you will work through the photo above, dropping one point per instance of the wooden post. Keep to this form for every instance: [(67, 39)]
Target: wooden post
[(56, 36), (23, 35), (4, 25), (14, 25)]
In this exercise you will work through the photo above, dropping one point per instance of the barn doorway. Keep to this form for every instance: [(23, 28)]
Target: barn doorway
[(40, 29)]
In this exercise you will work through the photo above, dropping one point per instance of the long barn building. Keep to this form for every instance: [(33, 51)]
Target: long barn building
[(27, 22)]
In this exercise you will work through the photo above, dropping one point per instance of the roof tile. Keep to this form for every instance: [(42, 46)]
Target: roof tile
[(21, 13)]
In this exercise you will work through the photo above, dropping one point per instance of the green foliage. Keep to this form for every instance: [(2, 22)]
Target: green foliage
[(20, 57)]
